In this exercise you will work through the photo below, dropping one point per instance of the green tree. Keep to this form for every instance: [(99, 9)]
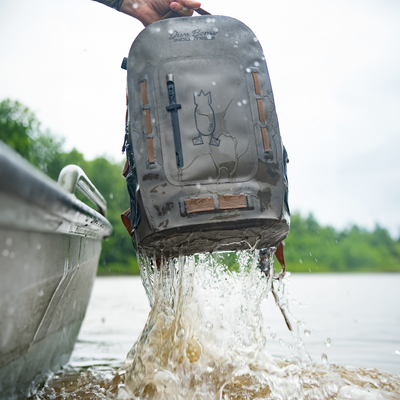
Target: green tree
[(118, 254), (311, 247), (17, 124), (20, 129)]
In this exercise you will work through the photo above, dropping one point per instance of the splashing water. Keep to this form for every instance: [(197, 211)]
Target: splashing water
[(205, 324), (204, 340)]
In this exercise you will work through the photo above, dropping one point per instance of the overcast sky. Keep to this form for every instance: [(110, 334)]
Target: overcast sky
[(335, 72)]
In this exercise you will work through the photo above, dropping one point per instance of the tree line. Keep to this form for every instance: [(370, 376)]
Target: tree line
[(309, 247), (20, 129)]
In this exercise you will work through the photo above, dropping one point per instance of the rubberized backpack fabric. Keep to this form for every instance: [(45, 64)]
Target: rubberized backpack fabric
[(206, 165)]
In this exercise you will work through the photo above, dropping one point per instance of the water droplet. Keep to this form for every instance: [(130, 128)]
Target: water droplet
[(209, 326), (397, 352), (135, 5), (208, 20), (198, 186), (213, 83), (8, 241), (40, 293), (209, 37), (328, 342), (310, 255), (307, 333), (215, 29), (239, 104), (256, 63), (170, 31), (241, 66), (244, 101), (248, 70), (300, 261), (111, 196), (181, 333), (39, 246), (5, 253), (324, 358), (226, 35), (255, 39), (158, 29)]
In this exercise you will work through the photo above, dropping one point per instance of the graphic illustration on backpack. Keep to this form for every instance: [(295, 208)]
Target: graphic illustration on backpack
[(205, 118)]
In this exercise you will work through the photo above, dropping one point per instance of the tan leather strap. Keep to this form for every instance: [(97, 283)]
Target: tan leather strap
[(260, 107), (126, 220), (199, 204), (145, 101), (280, 256), (264, 134), (231, 202), (257, 86), (150, 149), (147, 120), (126, 169), (143, 91)]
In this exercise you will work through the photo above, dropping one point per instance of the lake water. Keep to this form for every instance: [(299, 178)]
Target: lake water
[(344, 320)]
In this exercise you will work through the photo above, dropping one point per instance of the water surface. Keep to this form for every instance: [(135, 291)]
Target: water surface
[(349, 324)]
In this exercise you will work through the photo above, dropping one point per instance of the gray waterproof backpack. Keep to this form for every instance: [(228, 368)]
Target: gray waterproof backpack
[(206, 168)]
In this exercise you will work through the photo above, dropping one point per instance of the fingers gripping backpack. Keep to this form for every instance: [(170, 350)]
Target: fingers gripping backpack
[(206, 167)]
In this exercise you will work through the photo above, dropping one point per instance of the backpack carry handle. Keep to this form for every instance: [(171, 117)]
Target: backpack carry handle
[(173, 14)]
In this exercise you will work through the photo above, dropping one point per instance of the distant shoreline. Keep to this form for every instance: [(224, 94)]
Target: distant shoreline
[(126, 271)]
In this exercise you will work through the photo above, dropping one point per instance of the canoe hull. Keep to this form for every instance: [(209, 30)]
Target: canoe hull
[(42, 310), (50, 244)]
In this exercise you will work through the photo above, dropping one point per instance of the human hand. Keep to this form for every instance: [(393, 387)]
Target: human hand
[(149, 11)]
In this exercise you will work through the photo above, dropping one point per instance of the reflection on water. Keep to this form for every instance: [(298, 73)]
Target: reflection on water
[(204, 339)]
